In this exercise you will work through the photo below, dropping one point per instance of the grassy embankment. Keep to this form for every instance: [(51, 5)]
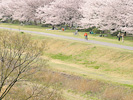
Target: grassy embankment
[(78, 68), (99, 65), (110, 39)]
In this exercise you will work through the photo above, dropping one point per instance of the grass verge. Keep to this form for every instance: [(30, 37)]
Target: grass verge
[(110, 39), (111, 61)]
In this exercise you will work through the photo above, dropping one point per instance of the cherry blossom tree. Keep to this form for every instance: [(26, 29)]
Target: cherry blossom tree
[(106, 14), (109, 14), (5, 12), (24, 10), (61, 12), (93, 11), (118, 16)]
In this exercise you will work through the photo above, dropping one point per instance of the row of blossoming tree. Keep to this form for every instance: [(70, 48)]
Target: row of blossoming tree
[(105, 14)]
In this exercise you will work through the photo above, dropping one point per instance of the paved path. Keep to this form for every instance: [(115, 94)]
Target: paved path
[(73, 38)]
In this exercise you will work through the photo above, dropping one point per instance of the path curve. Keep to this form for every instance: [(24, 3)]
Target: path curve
[(73, 38)]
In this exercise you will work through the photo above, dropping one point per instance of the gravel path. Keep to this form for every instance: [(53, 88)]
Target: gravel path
[(73, 38)]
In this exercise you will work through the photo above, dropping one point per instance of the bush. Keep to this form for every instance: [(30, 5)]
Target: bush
[(97, 31), (115, 33), (93, 29), (45, 25), (86, 30)]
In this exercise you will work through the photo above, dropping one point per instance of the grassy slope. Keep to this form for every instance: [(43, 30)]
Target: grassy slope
[(99, 59), (128, 42), (89, 61), (107, 60), (77, 57), (112, 62)]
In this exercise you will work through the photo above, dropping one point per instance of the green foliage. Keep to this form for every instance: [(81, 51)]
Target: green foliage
[(93, 29), (97, 31), (21, 32), (86, 30), (46, 25), (115, 33), (96, 67), (14, 22)]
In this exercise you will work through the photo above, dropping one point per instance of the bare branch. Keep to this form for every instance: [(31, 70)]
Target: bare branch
[(17, 56)]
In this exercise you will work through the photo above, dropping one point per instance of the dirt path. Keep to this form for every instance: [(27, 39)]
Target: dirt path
[(73, 38)]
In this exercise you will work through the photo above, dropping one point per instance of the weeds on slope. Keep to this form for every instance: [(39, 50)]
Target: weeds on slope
[(88, 87)]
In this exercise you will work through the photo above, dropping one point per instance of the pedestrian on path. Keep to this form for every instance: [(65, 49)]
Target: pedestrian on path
[(119, 36), (73, 38), (76, 32)]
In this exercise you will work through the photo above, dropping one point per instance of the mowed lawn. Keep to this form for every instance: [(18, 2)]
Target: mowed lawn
[(128, 40)]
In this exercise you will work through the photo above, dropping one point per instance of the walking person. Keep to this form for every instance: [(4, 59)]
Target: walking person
[(53, 27), (119, 36), (86, 36), (76, 32), (122, 37)]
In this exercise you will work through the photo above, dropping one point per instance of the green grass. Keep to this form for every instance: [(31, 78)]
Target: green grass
[(110, 39), (100, 58), (88, 73), (61, 57), (94, 65), (113, 61), (103, 59)]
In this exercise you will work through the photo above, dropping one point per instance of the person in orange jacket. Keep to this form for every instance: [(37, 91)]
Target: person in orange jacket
[(86, 36)]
